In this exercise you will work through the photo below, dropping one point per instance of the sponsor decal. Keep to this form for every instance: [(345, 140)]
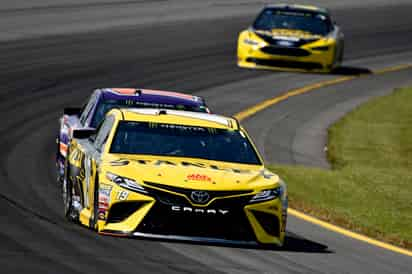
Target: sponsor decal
[(105, 187), (102, 215), (134, 103), (200, 211), (161, 162), (191, 164), (199, 177), (104, 200), (288, 34), (63, 149), (183, 127)]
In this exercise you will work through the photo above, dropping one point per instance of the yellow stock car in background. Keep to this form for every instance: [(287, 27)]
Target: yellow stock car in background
[(173, 175), (291, 37)]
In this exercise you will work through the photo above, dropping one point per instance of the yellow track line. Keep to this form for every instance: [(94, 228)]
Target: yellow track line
[(348, 233), (265, 104), (270, 102)]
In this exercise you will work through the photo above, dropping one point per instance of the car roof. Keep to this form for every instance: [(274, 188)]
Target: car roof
[(155, 96), (298, 7), (177, 117)]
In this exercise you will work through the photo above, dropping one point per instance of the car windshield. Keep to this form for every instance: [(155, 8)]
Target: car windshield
[(183, 141), (313, 22), (107, 105)]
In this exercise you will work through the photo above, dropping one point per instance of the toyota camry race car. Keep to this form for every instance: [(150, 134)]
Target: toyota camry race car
[(174, 175), (291, 37), (103, 100)]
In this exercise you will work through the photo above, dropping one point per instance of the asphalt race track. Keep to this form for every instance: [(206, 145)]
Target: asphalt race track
[(53, 55)]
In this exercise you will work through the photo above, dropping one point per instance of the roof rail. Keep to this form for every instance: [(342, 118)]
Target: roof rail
[(120, 110), (237, 122)]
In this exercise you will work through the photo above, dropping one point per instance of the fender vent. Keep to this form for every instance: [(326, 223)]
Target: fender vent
[(269, 222)]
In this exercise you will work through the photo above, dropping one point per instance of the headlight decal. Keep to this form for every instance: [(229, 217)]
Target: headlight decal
[(250, 42), (267, 194), (127, 183), (270, 194)]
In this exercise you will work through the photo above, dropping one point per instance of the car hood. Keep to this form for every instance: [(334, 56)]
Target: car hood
[(192, 173)]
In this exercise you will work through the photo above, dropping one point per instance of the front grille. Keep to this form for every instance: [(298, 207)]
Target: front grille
[(285, 64), (275, 41), (167, 198), (162, 220), (121, 211), (298, 52), (187, 192), (269, 222)]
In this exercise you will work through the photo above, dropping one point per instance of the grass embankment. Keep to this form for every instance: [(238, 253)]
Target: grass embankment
[(369, 188)]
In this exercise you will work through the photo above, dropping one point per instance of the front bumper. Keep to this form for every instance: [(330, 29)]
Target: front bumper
[(283, 58), (155, 216), (170, 237)]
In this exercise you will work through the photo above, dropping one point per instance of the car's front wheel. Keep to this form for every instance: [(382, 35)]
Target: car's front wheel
[(95, 217), (67, 193)]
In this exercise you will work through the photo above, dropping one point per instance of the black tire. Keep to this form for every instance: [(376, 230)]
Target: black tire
[(67, 194), (341, 53), (58, 155), (95, 214)]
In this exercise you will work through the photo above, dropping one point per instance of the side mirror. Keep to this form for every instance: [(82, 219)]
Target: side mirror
[(72, 111), (83, 133)]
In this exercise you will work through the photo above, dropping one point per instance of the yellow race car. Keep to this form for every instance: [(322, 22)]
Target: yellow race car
[(291, 37), (173, 175)]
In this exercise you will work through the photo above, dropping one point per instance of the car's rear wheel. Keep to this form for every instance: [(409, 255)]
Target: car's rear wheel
[(58, 159), (339, 57), (342, 50)]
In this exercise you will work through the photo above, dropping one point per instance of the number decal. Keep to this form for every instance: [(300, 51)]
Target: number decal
[(122, 195)]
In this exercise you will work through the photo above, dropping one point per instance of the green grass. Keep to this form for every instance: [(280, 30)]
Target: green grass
[(369, 188)]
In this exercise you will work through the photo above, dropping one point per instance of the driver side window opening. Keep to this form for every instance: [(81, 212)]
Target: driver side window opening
[(104, 132)]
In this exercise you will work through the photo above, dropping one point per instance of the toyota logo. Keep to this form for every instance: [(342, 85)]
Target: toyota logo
[(200, 197)]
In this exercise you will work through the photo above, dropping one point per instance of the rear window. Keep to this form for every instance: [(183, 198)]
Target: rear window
[(107, 105)]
